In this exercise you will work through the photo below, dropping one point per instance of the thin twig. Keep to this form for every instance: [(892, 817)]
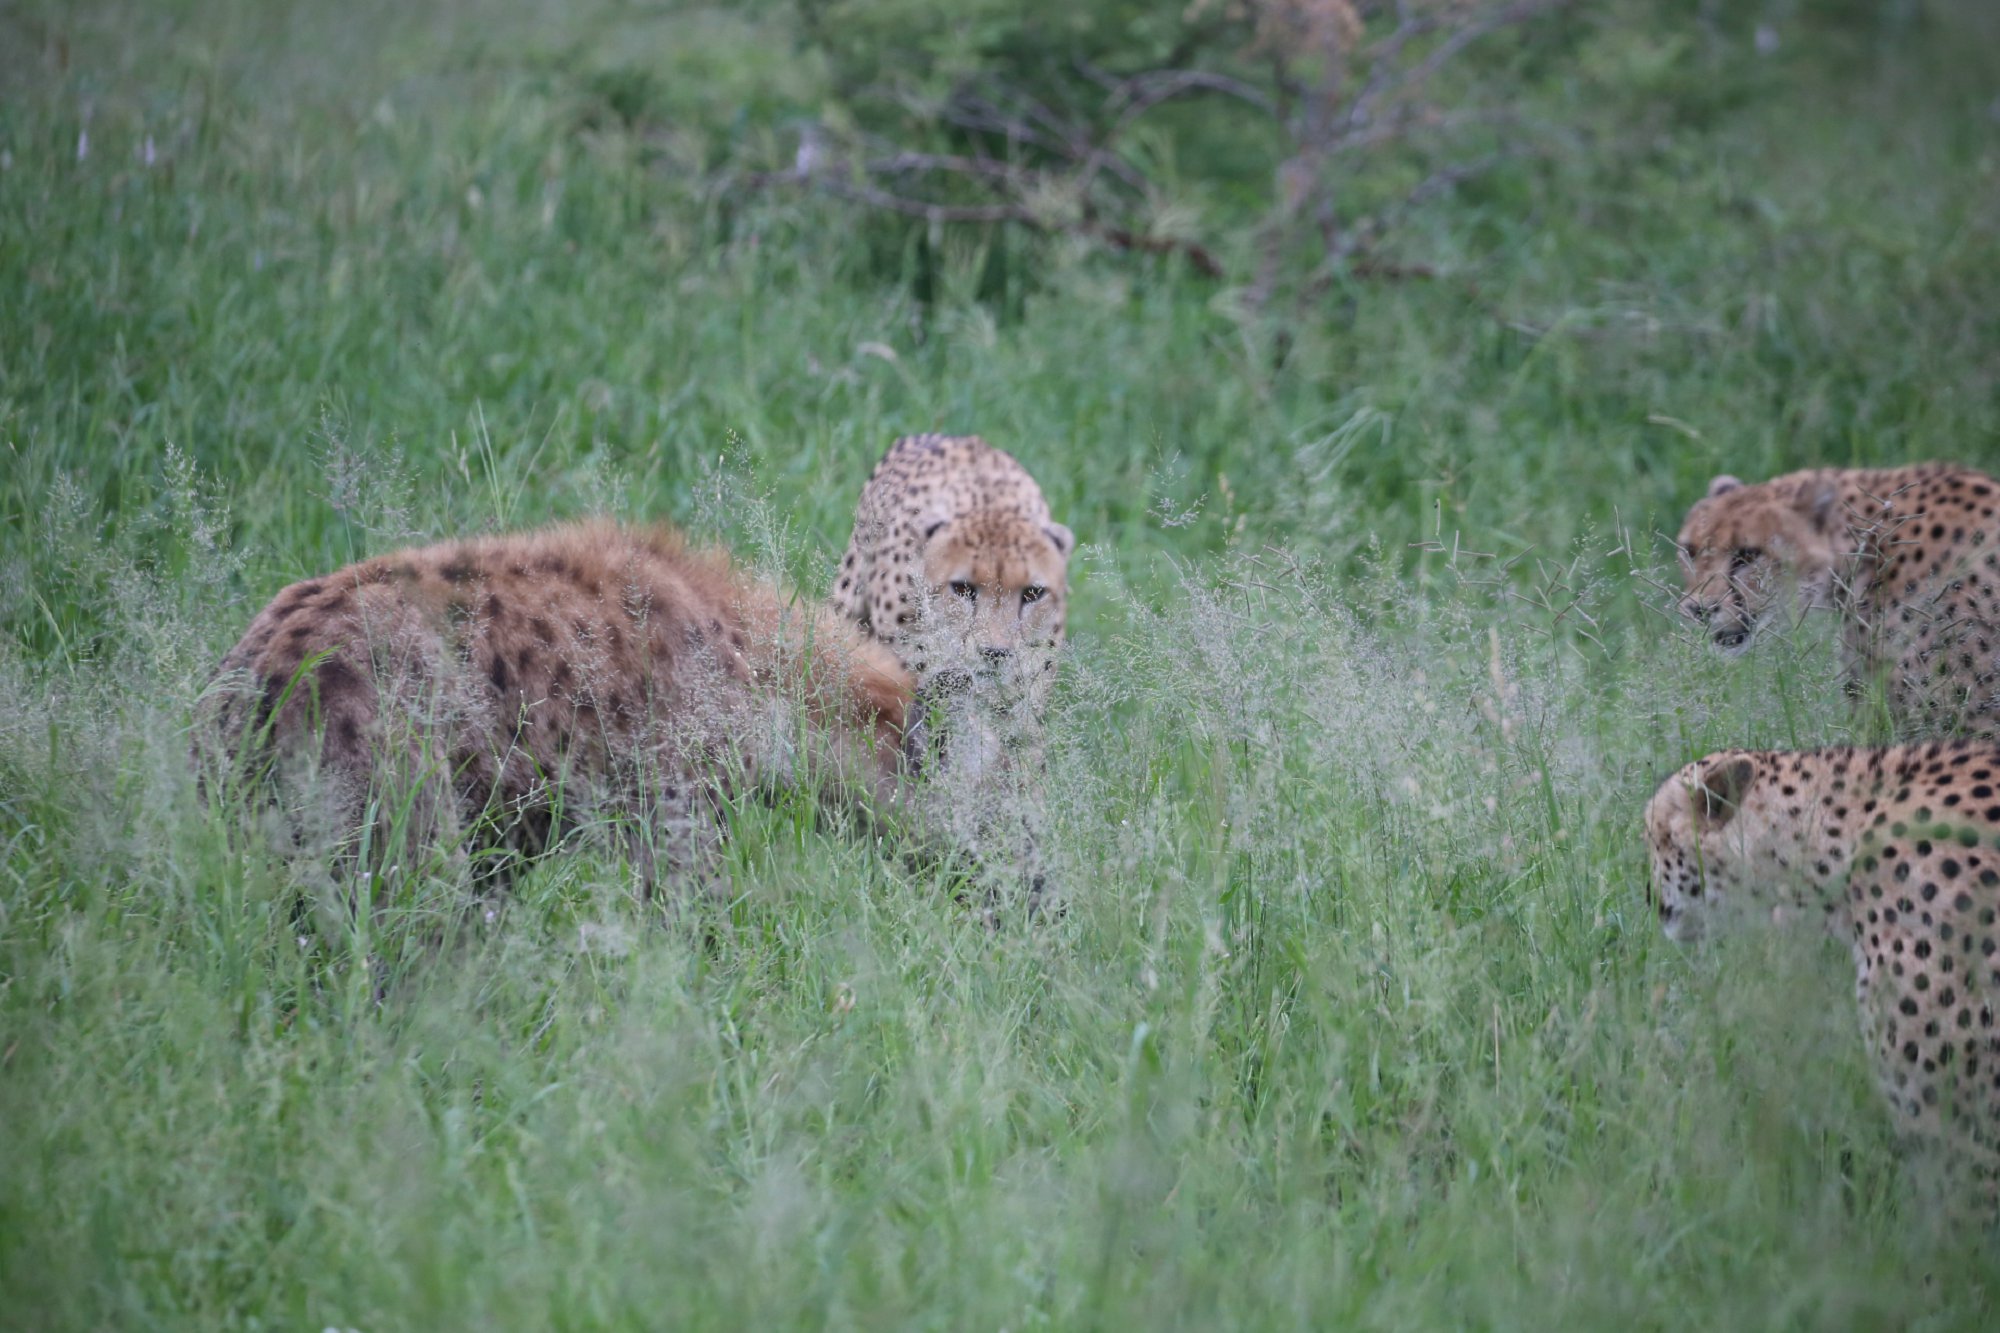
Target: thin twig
[(1199, 256)]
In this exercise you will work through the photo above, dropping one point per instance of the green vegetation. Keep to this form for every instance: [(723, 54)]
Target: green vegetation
[(1357, 1018)]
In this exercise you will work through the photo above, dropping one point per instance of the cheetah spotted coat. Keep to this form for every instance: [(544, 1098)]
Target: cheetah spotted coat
[(956, 563), (1908, 557), (1897, 850)]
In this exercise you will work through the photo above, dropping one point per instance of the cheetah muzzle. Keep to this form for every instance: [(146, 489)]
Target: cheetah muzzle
[(1908, 558)]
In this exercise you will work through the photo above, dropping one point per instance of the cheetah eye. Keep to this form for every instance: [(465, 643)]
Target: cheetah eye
[(1034, 592), (961, 588), (1743, 557)]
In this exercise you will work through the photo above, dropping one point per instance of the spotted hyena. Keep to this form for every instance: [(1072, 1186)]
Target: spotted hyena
[(494, 692)]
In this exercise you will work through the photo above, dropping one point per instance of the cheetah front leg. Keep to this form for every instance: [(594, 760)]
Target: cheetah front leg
[(1929, 1024), (983, 797)]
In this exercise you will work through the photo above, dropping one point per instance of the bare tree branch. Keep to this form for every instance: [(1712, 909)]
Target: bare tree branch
[(1335, 80), (1506, 16), (1124, 238), (829, 183), (907, 163), (1142, 92)]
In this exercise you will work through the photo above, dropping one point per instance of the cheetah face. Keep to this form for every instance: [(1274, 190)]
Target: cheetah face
[(996, 597), (1748, 554), (1698, 845)]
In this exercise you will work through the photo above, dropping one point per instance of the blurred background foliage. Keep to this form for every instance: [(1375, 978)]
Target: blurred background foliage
[(1628, 243), (1369, 409)]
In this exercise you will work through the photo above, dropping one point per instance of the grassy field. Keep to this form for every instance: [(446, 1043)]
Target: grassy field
[(1357, 1017)]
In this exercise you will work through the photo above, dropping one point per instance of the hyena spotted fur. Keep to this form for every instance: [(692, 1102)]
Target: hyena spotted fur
[(499, 690)]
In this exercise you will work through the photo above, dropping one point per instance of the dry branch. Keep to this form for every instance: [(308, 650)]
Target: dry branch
[(1336, 79)]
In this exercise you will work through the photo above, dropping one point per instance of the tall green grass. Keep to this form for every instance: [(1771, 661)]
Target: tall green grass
[(1357, 1016)]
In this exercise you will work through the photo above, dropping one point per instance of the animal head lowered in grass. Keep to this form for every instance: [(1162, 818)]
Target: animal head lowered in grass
[(1704, 857), (1750, 553)]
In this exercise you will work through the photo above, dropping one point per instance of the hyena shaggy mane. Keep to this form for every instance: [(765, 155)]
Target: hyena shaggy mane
[(497, 691)]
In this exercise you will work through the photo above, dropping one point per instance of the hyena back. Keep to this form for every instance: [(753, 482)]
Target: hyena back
[(500, 689)]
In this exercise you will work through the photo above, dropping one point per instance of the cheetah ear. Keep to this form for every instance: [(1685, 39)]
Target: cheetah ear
[(1064, 539), (1823, 501), (1723, 485), (1723, 785)]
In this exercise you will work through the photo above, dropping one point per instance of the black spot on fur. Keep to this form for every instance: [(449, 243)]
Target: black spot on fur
[(336, 678)]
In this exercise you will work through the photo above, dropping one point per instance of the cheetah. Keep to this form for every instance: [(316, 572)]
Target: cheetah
[(500, 690), (956, 564), (1908, 557), (1897, 850)]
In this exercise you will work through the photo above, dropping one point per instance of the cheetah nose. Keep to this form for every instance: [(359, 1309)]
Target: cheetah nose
[(1697, 610)]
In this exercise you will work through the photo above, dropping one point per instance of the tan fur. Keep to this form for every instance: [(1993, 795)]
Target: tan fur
[(522, 682), (1897, 850), (1908, 557), (956, 564)]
